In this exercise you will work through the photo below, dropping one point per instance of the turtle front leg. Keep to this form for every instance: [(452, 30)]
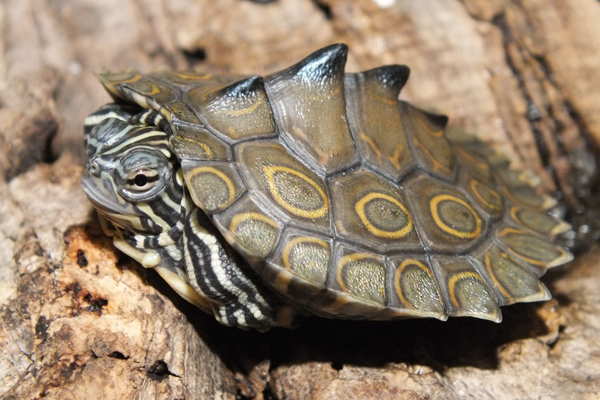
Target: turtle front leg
[(214, 272)]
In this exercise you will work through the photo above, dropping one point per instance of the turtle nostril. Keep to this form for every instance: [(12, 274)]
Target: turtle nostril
[(93, 167)]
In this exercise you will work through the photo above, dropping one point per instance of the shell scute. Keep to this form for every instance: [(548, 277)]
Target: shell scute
[(484, 195), (290, 186), (415, 289), (539, 222), (186, 80), (535, 250), (360, 278), (249, 229), (516, 178), (299, 267), (527, 197), (308, 257), (445, 218), (475, 163), (511, 280), (371, 211), (372, 103), (237, 111), (213, 186), (309, 108), (179, 111), (144, 90), (197, 143), (464, 289), (430, 146)]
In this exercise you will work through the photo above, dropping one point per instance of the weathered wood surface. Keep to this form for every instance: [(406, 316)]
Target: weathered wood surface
[(80, 321)]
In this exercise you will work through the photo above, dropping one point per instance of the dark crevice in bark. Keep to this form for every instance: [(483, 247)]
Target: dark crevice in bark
[(585, 176), (159, 371), (195, 56), (262, 1), (324, 8), (533, 113)]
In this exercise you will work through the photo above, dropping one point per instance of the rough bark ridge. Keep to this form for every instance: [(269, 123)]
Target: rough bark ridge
[(80, 321)]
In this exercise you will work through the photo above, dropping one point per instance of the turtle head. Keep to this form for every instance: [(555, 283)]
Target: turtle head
[(134, 181)]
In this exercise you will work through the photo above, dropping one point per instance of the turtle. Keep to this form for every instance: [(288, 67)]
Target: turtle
[(312, 191)]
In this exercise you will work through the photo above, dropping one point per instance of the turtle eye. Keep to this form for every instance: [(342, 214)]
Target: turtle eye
[(142, 175), (142, 181)]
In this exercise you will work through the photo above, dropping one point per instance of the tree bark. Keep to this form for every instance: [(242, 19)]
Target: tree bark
[(79, 320)]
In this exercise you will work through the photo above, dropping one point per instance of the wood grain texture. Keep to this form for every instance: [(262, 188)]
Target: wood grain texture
[(79, 320)]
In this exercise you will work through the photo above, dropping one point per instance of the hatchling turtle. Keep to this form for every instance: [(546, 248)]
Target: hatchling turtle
[(313, 190)]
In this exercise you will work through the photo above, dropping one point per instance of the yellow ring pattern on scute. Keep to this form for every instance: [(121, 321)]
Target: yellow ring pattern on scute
[(360, 210), (319, 212), (434, 204)]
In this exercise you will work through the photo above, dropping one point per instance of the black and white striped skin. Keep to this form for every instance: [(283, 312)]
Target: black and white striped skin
[(135, 182), (342, 199)]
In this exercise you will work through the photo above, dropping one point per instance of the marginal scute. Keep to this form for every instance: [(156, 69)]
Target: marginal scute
[(213, 186), (144, 90), (474, 153), (247, 228), (516, 178), (363, 275), (474, 162), (527, 197), (299, 267), (431, 148), (290, 185), (238, 111), (446, 218), (177, 111), (255, 231), (196, 143), (466, 290), (112, 80), (511, 281), (369, 210), (372, 103), (539, 222), (536, 250), (184, 79), (416, 289), (482, 194), (309, 108), (308, 257)]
